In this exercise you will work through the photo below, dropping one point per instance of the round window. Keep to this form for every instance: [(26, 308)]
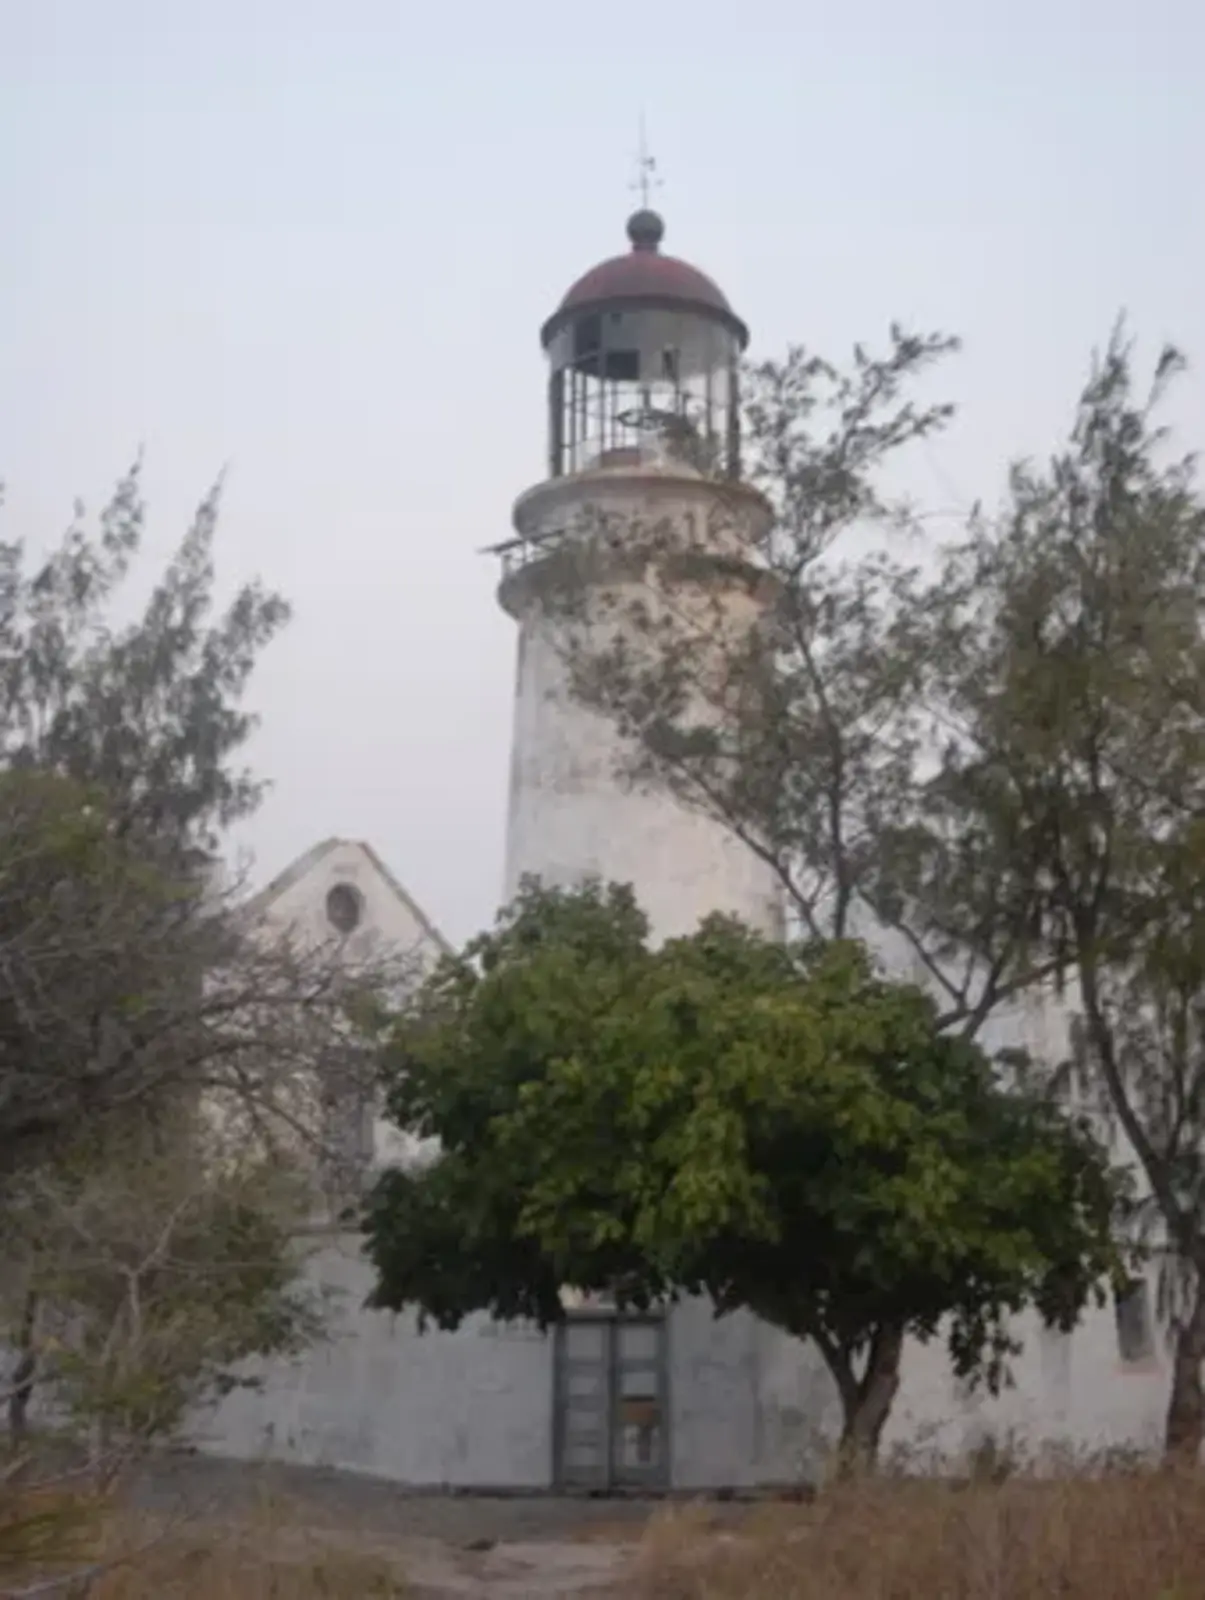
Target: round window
[(344, 907)]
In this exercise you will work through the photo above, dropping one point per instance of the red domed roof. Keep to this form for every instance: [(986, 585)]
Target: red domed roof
[(645, 275)]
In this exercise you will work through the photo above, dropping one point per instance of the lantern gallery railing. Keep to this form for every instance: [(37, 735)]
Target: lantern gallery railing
[(515, 554)]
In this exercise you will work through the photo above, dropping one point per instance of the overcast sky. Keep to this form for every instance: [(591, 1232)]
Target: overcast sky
[(314, 240)]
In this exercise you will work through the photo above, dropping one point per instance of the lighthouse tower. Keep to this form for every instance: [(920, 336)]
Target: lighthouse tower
[(643, 433)]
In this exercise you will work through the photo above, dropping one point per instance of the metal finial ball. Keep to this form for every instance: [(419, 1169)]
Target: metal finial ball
[(645, 230)]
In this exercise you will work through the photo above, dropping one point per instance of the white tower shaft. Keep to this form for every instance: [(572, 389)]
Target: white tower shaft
[(572, 814)]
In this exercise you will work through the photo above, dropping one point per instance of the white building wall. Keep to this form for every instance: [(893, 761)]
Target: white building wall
[(391, 927), (1072, 1398), (752, 1407), (470, 1408)]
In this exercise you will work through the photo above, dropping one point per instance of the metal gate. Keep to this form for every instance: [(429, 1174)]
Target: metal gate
[(611, 1416)]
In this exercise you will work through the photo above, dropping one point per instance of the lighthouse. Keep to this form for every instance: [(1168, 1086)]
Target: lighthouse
[(643, 433)]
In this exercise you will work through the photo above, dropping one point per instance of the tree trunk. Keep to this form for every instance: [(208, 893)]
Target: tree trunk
[(1185, 1431), (867, 1404), (22, 1381)]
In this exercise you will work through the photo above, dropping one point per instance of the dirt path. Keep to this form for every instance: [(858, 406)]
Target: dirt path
[(545, 1570), (538, 1547)]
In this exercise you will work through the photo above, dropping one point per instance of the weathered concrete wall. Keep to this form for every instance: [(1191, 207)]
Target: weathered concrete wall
[(712, 1397), (1071, 1396), (748, 1405), (475, 1408), (752, 1407), (472, 1407)]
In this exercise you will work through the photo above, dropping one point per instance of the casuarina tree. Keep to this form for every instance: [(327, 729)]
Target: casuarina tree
[(146, 1023), (1071, 653)]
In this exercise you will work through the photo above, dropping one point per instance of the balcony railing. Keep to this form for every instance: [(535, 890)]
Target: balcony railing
[(515, 554)]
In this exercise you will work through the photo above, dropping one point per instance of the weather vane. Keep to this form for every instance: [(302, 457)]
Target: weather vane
[(646, 179)]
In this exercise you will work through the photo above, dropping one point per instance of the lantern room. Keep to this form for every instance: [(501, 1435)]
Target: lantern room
[(644, 353)]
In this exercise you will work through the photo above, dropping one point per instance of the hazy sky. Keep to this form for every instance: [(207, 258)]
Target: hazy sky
[(314, 240)]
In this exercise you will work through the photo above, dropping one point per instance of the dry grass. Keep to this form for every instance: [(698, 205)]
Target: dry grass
[(1135, 1536), (1121, 1537), (269, 1555)]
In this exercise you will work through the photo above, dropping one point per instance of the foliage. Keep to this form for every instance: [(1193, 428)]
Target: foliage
[(128, 968), (101, 945), (994, 770), (139, 1001), (157, 1261), (776, 1125), (123, 982), (150, 712), (118, 769), (1072, 659), (804, 724), (452, 1230)]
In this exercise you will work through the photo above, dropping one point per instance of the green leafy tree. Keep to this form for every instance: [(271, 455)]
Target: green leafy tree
[(1071, 655), (775, 1125)]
